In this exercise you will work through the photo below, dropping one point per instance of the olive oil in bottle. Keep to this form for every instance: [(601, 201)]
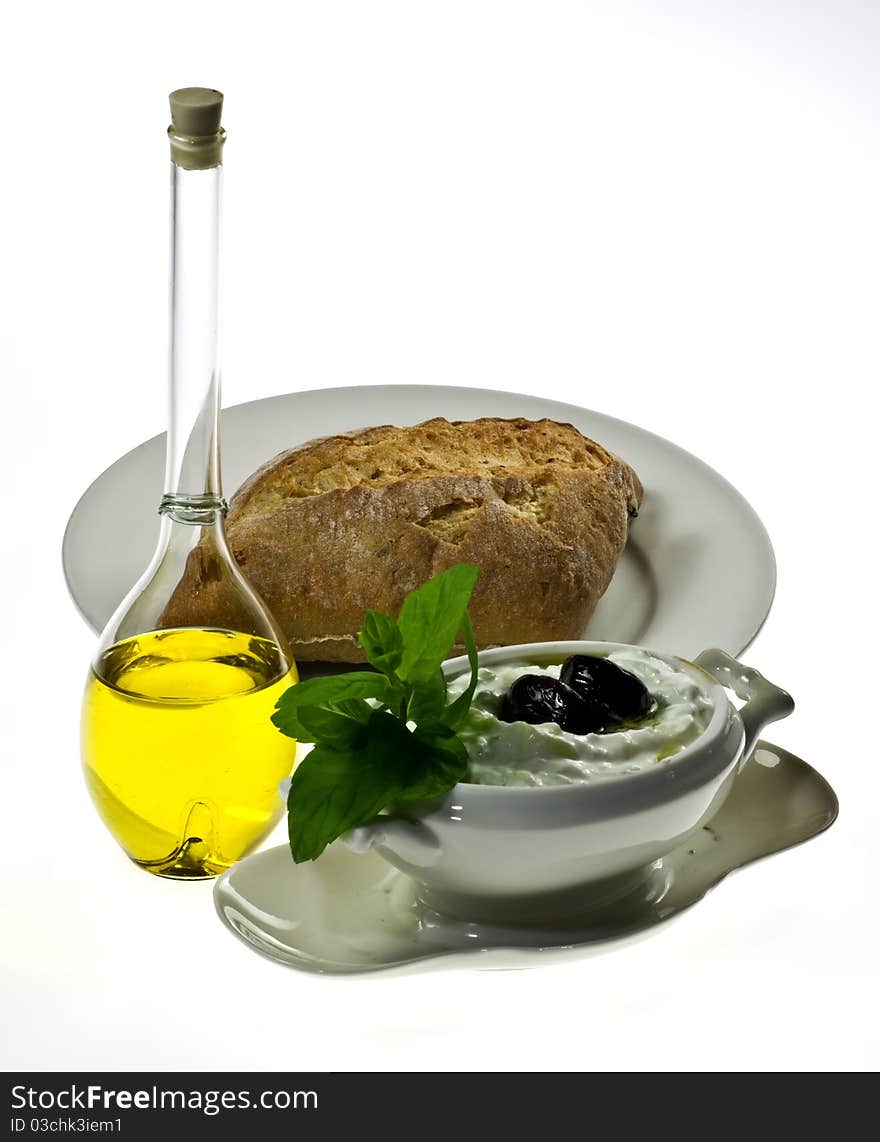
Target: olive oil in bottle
[(179, 753)]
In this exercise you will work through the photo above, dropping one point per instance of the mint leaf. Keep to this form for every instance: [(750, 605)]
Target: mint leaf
[(444, 760), (355, 708), (333, 790), (326, 723), (382, 641), (427, 702), (431, 617), (327, 692), (329, 727), (455, 714)]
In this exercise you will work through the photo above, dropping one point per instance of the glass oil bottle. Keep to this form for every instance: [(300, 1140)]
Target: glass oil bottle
[(180, 757)]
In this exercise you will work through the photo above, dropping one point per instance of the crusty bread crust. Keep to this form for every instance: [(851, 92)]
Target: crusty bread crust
[(335, 526)]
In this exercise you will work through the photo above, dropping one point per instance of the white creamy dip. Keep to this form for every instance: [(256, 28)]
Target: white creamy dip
[(517, 753)]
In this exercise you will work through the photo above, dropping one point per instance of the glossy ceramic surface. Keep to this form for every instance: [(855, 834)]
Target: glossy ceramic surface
[(354, 913)]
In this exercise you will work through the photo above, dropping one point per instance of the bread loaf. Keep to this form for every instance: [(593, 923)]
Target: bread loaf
[(341, 524)]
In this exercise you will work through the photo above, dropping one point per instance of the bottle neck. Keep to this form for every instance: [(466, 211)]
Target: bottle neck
[(193, 493)]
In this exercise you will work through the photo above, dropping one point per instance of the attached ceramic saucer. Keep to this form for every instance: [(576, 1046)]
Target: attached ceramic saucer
[(349, 912)]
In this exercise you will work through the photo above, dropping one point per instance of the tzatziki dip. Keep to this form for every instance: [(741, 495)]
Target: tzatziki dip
[(513, 752)]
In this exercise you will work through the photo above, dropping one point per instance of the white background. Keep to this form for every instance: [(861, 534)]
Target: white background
[(667, 212)]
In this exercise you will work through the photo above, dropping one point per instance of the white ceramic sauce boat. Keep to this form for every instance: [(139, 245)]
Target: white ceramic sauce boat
[(513, 854)]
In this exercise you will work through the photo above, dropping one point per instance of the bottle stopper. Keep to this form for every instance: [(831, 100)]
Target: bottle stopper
[(195, 133)]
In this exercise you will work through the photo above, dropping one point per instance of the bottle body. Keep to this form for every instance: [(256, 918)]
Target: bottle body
[(179, 752)]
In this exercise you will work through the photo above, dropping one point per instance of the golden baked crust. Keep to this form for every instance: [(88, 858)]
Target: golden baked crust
[(338, 525)]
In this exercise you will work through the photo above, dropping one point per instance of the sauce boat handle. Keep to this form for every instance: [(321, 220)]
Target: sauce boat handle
[(764, 702), (411, 841)]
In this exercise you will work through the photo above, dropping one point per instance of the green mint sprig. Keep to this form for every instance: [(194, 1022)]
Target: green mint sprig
[(385, 737)]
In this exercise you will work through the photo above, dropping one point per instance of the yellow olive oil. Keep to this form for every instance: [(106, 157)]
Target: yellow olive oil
[(180, 755)]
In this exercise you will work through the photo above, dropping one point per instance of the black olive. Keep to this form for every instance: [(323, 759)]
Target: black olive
[(601, 682), (581, 715), (533, 698), (537, 698)]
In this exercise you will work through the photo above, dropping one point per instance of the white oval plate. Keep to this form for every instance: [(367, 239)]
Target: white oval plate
[(698, 569)]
